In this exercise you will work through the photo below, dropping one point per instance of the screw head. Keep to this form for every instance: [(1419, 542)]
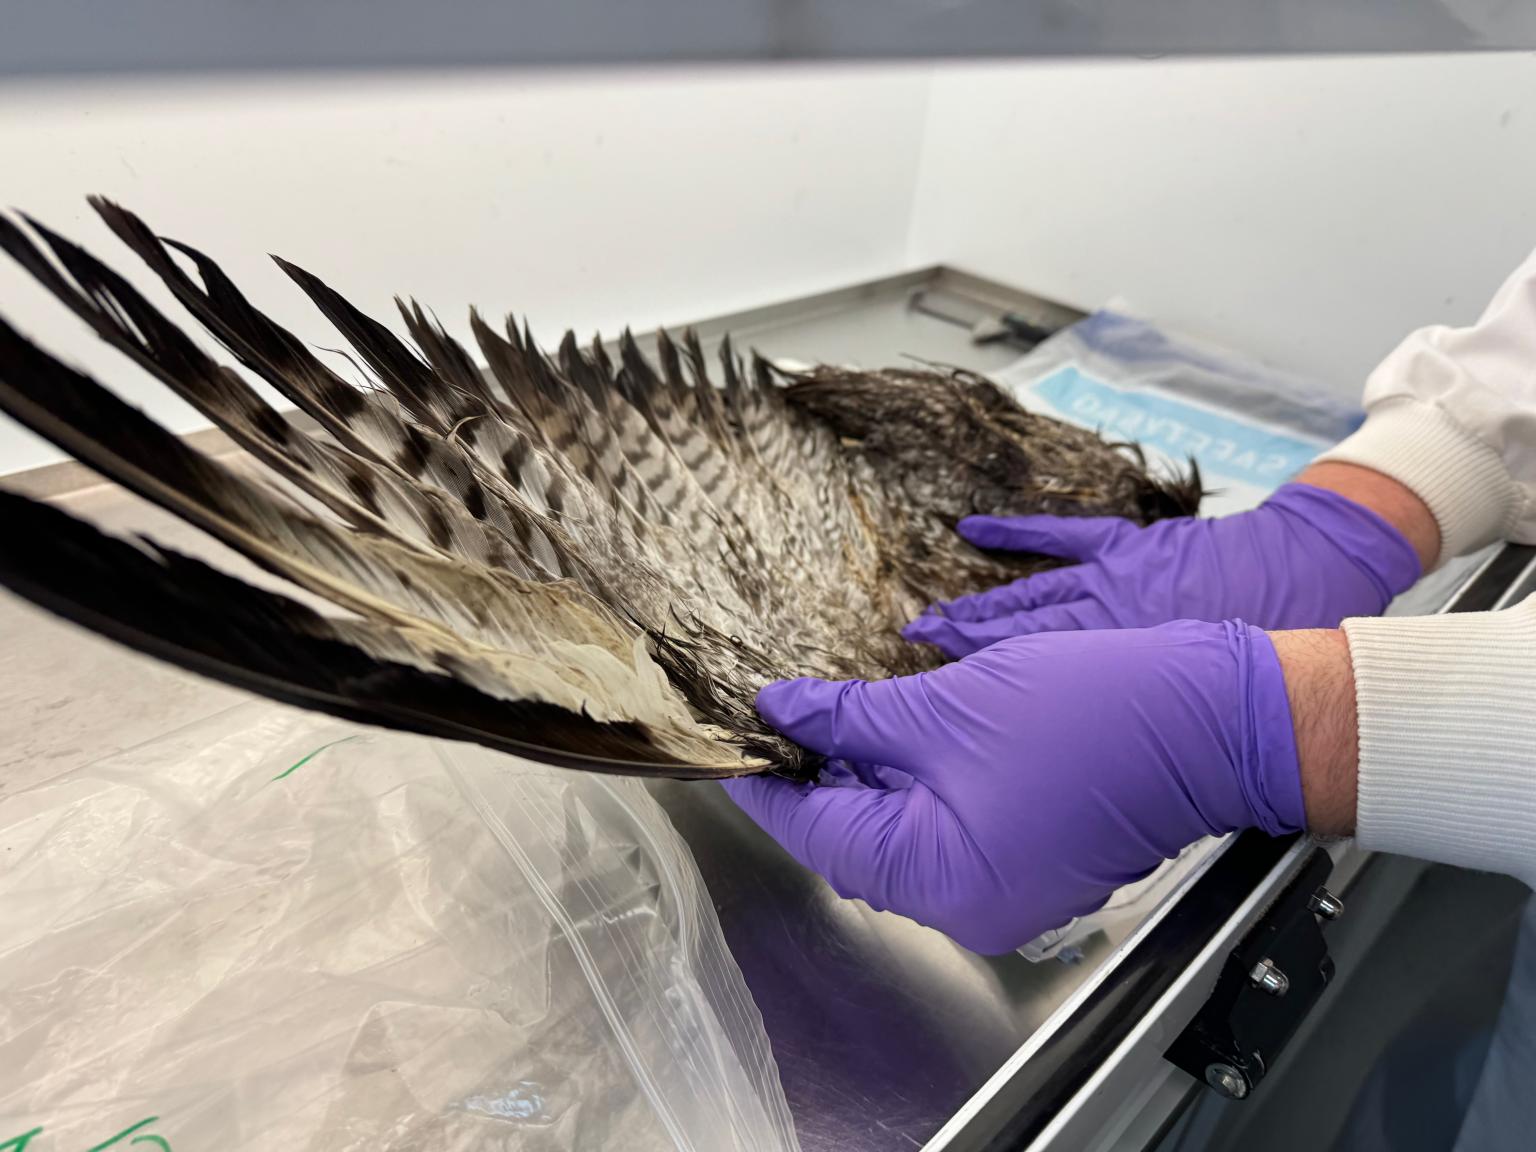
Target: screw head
[(1226, 1080)]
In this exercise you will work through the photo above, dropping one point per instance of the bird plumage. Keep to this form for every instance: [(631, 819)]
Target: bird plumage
[(593, 559)]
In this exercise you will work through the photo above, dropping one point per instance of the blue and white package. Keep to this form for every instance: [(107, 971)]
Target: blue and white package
[(1250, 428)]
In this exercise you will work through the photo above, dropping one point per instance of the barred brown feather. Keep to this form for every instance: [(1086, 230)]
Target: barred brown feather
[(594, 560)]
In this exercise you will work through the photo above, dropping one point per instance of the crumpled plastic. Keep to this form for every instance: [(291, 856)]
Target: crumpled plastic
[(275, 930)]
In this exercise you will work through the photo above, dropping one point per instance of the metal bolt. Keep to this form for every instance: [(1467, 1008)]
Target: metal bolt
[(1269, 978), (1227, 1080), (1325, 904)]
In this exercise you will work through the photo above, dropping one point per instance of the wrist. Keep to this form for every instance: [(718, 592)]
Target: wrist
[(1320, 688), (1463, 481), (1392, 502)]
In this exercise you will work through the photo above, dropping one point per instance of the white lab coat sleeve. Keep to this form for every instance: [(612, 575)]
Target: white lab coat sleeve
[(1447, 714), (1451, 414)]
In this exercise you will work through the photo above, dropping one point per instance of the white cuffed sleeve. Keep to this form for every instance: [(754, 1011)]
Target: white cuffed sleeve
[(1447, 712), (1451, 414)]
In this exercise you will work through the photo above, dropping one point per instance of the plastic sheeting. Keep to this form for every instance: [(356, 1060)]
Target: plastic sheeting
[(273, 930)]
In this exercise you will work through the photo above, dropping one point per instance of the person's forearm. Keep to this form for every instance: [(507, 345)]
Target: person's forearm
[(1393, 502), (1321, 687)]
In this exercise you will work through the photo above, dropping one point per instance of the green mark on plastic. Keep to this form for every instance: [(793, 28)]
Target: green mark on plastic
[(129, 1131), (19, 1143), (291, 771)]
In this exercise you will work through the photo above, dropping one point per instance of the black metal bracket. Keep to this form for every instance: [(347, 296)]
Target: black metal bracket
[(1269, 983)]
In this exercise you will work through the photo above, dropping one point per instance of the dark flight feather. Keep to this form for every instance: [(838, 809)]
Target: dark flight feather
[(594, 559)]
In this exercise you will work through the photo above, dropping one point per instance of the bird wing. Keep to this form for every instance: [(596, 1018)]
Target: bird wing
[(591, 557), (466, 565)]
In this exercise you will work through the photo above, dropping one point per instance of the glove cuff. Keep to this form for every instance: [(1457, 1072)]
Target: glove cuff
[(1374, 546), (1269, 771)]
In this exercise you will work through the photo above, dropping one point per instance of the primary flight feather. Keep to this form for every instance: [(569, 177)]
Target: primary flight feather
[(593, 559)]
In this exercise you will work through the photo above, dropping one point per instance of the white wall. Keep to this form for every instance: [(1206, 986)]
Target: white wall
[(1309, 211), (582, 200)]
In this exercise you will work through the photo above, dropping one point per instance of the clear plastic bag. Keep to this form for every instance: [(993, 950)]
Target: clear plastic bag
[(274, 930)]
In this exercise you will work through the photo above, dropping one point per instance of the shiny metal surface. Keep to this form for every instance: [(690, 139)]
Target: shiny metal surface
[(1224, 1079), (1325, 904), (1267, 976), (1108, 1100), (881, 1028)]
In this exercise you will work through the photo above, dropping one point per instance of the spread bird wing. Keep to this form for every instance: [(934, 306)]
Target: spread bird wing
[(588, 561)]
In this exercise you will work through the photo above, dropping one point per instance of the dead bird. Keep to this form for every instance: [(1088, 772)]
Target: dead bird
[(592, 559)]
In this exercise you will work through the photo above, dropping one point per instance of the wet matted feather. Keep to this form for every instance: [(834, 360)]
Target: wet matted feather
[(593, 559)]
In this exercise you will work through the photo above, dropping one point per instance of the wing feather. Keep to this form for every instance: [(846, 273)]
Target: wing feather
[(594, 558)]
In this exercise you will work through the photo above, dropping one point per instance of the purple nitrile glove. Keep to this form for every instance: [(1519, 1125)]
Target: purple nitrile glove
[(1305, 558), (1020, 786)]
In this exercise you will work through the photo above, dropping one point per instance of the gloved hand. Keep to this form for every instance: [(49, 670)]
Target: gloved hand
[(1305, 558), (1019, 787)]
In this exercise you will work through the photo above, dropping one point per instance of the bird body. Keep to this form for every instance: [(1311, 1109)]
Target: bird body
[(593, 558)]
